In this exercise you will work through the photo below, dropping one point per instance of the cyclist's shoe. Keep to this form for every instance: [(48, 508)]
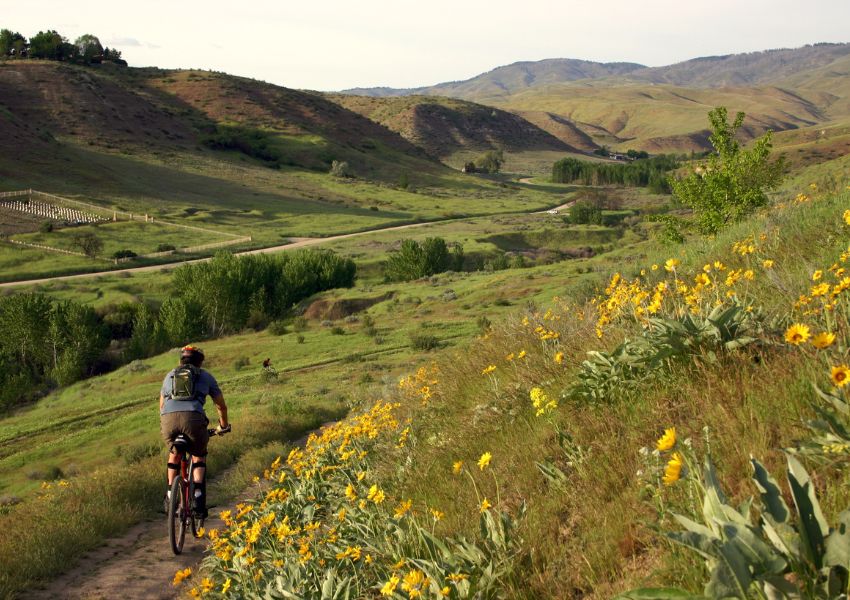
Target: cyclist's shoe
[(200, 508)]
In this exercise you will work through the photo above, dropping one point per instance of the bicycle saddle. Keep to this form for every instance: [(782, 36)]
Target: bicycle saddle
[(181, 443)]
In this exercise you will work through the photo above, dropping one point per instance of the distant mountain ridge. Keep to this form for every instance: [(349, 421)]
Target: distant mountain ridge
[(751, 68), (511, 78)]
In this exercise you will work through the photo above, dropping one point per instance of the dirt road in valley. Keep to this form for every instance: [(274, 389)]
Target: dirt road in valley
[(294, 244)]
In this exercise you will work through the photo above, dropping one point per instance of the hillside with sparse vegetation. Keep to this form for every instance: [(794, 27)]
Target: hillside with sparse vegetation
[(570, 375)]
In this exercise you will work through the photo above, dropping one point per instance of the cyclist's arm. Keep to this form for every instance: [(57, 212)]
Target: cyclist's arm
[(221, 407), (161, 402)]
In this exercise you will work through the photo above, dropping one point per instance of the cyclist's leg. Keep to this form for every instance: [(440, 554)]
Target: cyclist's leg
[(197, 430), (169, 428)]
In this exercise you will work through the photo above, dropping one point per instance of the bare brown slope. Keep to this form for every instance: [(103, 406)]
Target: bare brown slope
[(89, 106), (228, 99), (151, 109), (443, 126), (562, 128)]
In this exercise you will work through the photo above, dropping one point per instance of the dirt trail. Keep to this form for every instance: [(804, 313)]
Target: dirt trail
[(140, 564)]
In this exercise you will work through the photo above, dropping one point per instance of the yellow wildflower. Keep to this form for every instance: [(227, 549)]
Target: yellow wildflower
[(817, 275), (438, 515), (671, 264), (797, 334), (457, 466), (489, 369), (840, 375), (823, 340), (350, 493), (391, 585), (666, 441), (521, 354), (485, 504), (402, 508), (559, 358), (415, 582), (179, 576), (847, 216), (484, 461), (673, 470)]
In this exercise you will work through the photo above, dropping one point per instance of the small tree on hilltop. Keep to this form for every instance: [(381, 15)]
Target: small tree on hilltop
[(734, 182)]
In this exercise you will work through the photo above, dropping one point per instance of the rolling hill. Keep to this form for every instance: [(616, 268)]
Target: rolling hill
[(662, 109), (443, 126)]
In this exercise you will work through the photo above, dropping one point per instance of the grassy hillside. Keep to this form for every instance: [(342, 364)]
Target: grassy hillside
[(568, 503)]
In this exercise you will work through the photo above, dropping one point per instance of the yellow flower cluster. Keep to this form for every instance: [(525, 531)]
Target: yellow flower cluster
[(420, 386), (543, 404), (824, 295)]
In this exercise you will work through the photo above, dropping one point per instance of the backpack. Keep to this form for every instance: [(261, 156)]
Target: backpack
[(183, 381)]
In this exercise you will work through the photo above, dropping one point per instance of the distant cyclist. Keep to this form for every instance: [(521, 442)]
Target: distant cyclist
[(181, 410)]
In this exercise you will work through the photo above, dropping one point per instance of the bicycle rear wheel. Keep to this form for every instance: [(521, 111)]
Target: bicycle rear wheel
[(177, 516), (197, 522)]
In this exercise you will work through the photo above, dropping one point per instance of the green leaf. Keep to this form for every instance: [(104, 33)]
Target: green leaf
[(763, 559), (771, 495), (813, 527), (838, 544), (730, 577)]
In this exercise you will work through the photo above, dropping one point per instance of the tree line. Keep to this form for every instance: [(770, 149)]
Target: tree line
[(651, 172), (50, 45), (46, 343)]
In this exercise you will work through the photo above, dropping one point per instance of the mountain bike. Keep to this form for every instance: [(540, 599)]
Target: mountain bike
[(181, 515)]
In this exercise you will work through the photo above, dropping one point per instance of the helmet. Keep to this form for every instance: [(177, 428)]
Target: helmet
[(191, 351)]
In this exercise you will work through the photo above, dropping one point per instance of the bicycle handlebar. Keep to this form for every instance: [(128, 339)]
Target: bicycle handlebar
[(221, 431)]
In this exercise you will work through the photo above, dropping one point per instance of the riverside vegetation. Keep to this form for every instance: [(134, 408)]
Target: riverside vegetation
[(556, 454)]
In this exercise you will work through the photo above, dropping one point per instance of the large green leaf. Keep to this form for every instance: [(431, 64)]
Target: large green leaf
[(762, 559), (730, 577), (838, 544), (771, 495), (813, 527)]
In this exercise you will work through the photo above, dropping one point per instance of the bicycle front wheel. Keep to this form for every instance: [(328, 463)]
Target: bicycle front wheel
[(177, 516)]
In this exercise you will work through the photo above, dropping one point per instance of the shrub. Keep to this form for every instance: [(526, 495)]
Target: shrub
[(166, 247), (423, 341), (124, 254), (340, 169), (337, 330), (241, 362), (299, 338), (277, 328), (46, 227), (299, 324)]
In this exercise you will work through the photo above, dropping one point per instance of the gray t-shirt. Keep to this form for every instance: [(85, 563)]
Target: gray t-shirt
[(206, 385)]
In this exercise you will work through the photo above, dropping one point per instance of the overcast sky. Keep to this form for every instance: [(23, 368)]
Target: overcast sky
[(335, 44)]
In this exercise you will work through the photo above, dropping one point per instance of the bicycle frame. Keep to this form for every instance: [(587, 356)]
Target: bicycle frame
[(181, 515)]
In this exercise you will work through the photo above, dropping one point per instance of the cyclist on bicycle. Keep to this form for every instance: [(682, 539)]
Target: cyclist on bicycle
[(181, 410)]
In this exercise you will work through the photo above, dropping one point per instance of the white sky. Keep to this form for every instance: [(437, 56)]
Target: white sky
[(336, 44)]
